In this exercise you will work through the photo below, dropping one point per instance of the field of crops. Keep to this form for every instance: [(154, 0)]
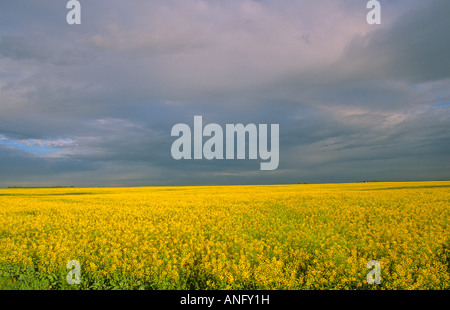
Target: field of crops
[(231, 237)]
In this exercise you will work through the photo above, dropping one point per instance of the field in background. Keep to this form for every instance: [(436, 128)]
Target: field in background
[(230, 237)]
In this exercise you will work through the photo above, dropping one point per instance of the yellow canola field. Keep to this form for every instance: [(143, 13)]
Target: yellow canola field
[(228, 237)]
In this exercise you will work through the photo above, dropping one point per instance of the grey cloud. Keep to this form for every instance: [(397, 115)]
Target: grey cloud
[(352, 101), (415, 48), (16, 48)]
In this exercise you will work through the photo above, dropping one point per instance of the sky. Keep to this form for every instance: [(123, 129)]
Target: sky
[(94, 104)]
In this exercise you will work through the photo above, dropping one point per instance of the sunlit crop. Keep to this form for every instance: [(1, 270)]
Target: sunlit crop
[(232, 237)]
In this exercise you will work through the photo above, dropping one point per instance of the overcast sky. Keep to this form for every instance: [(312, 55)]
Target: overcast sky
[(94, 104)]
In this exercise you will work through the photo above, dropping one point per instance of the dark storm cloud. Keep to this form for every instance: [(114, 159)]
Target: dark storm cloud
[(353, 101)]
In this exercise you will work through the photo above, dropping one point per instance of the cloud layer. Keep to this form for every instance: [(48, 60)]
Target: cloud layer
[(94, 104)]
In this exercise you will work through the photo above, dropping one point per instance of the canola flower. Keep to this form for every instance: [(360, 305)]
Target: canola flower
[(228, 237)]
